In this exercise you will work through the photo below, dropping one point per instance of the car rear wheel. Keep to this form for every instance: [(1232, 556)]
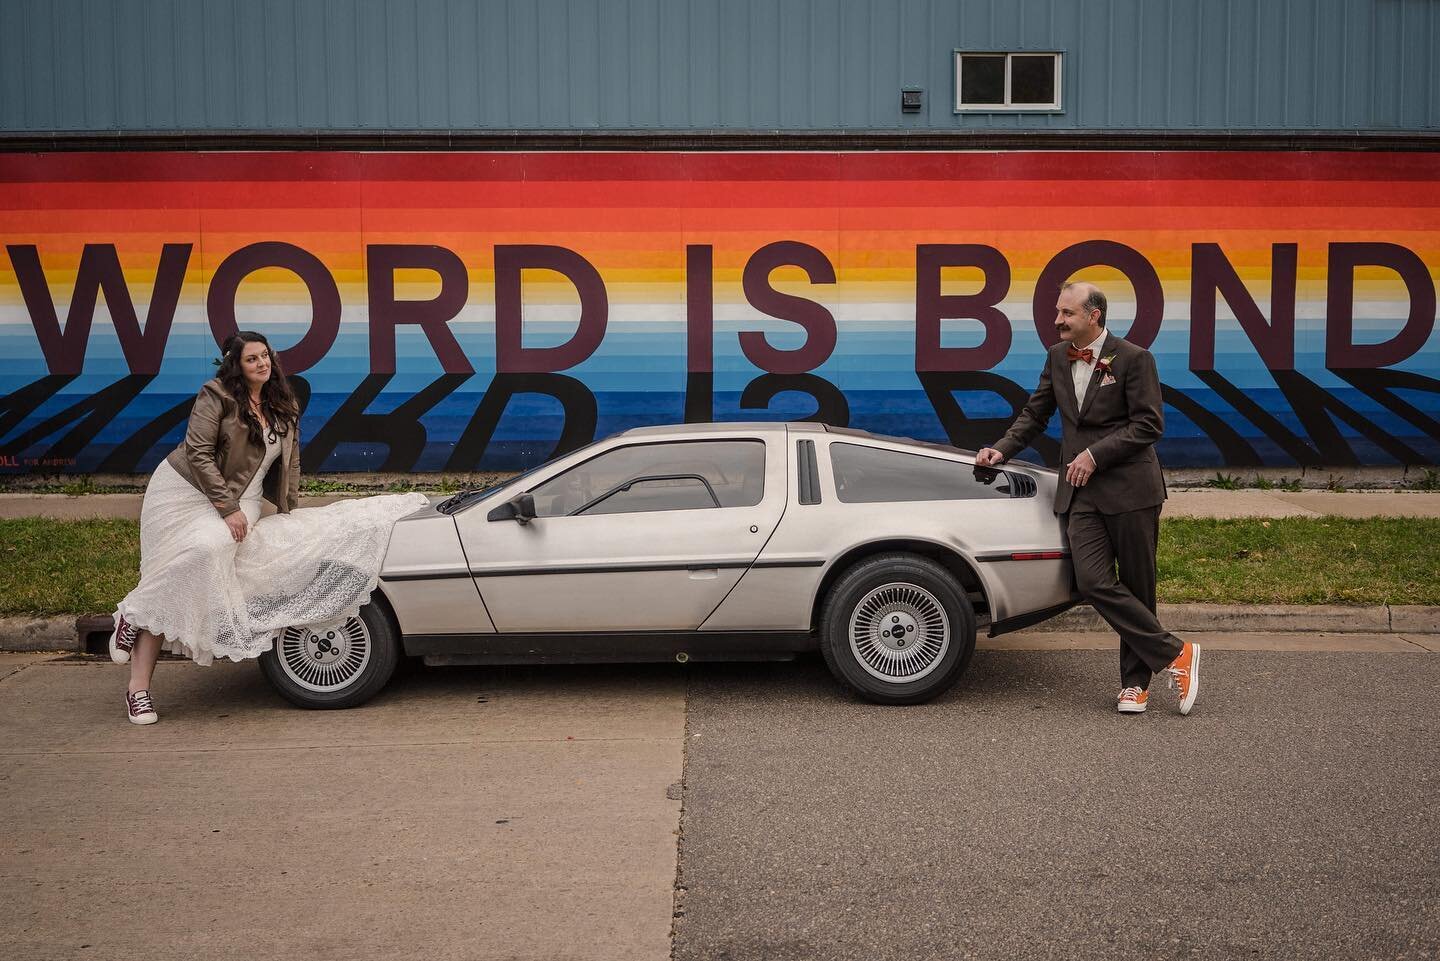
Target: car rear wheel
[(897, 629), (334, 666)]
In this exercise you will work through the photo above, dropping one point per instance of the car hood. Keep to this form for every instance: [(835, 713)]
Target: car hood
[(428, 511)]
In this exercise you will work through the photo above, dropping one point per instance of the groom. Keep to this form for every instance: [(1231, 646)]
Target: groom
[(1108, 394)]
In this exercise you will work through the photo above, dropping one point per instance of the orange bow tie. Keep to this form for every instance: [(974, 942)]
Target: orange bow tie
[(1072, 355)]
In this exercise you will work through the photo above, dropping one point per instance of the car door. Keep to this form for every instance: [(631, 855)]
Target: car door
[(643, 536)]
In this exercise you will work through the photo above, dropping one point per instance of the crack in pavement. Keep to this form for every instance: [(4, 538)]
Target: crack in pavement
[(17, 669)]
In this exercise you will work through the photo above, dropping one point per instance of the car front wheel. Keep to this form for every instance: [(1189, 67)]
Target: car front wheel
[(334, 666), (897, 629)]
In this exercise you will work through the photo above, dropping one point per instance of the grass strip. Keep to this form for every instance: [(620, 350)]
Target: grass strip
[(1299, 560), (50, 567)]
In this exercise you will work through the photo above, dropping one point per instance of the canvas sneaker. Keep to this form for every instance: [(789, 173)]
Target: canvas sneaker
[(1184, 674), (141, 708), (1132, 701), (122, 642)]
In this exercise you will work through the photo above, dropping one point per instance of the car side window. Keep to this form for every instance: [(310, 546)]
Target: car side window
[(871, 475), (680, 475)]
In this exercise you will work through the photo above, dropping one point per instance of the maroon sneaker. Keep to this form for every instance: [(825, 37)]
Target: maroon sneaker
[(122, 642), (141, 708)]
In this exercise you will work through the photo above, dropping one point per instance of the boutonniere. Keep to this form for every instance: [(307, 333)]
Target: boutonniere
[(1103, 365)]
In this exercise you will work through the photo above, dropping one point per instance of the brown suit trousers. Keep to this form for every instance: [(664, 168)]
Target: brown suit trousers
[(1101, 543)]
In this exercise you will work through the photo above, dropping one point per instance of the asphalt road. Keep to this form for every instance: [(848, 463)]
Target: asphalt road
[(1292, 815)]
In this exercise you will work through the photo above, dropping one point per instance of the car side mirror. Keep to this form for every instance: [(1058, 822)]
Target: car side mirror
[(520, 508)]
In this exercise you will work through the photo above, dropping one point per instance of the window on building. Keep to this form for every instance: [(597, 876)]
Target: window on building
[(1007, 81)]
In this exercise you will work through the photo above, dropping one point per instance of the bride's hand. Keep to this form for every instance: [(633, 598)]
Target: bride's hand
[(237, 524)]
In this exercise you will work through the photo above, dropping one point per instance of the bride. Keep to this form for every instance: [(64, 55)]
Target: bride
[(215, 579)]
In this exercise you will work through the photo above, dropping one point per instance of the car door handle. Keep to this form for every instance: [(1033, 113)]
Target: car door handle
[(704, 573)]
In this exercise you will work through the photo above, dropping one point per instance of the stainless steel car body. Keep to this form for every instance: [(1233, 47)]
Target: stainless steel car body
[(737, 581)]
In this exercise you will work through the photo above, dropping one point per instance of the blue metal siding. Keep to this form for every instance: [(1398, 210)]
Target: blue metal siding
[(707, 64)]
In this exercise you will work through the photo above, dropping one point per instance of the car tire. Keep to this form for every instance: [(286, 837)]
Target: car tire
[(929, 614), (355, 661)]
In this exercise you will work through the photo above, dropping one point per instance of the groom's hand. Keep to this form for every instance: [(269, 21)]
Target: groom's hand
[(988, 457), (1079, 470)]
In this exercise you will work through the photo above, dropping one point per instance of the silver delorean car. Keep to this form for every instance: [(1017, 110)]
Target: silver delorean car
[(703, 542)]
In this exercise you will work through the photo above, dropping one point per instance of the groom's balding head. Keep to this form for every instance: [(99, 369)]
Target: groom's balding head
[(1091, 297), (1079, 313)]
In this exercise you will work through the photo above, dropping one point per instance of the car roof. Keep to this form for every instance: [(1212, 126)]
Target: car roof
[(894, 439), (771, 428), (775, 427), (757, 427)]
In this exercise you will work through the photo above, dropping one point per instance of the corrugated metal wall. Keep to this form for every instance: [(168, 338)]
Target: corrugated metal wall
[(163, 65)]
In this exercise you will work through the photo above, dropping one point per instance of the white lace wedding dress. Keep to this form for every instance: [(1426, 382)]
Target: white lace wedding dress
[(211, 597)]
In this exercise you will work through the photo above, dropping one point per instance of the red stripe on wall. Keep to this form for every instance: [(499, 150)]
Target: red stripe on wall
[(670, 195), (789, 167)]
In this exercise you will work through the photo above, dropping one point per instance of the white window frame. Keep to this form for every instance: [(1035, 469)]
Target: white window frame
[(1007, 106)]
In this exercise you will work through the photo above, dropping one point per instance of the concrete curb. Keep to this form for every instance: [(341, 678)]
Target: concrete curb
[(70, 633), (1263, 618), (39, 634), (1415, 619)]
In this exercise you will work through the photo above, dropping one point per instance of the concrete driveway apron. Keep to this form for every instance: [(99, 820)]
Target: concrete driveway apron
[(463, 814)]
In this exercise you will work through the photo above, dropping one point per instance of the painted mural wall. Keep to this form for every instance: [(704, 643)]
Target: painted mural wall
[(480, 311)]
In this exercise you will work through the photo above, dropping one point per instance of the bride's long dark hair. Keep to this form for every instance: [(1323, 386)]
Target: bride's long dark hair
[(277, 400)]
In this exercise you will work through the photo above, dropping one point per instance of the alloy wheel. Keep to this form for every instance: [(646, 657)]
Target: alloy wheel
[(899, 632), (325, 658)]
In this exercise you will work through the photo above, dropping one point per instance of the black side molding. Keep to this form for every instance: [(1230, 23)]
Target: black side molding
[(1022, 621), (805, 562), (699, 564), (425, 576)]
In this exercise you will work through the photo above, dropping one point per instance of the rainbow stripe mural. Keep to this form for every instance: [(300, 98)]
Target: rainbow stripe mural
[(464, 311)]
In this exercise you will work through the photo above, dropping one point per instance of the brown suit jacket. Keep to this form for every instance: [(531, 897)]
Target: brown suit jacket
[(219, 459), (1119, 422)]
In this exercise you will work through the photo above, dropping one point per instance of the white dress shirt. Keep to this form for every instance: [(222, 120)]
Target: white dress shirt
[(1082, 372)]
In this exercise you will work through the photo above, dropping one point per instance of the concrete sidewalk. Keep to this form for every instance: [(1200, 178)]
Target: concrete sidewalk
[(1209, 502), (461, 815), (1184, 502)]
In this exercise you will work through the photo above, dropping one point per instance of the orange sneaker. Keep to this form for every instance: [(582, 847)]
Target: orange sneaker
[(1184, 674), (1132, 701)]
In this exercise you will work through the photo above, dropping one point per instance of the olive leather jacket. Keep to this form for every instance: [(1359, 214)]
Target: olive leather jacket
[(219, 459)]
